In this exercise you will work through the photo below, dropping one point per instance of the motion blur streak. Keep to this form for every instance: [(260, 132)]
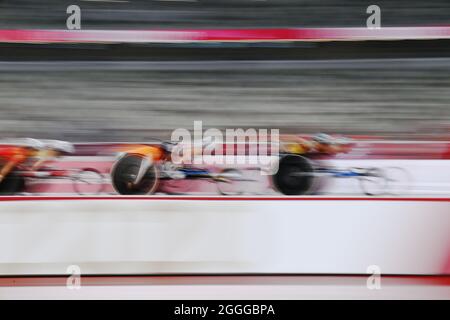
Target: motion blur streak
[(227, 287), (137, 70), (20, 14), (132, 236), (138, 101)]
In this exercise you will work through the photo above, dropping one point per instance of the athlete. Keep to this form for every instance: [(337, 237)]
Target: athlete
[(16, 153), (319, 144), (172, 156), (32, 152), (179, 152), (50, 150)]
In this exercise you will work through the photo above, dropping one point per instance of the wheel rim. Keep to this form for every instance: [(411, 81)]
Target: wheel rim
[(230, 186), (88, 182), (373, 182)]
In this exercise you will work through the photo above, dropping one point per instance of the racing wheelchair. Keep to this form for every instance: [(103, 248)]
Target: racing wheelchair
[(298, 175), (137, 173)]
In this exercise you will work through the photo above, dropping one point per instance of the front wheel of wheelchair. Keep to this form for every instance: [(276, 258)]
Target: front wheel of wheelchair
[(398, 180), (88, 181), (229, 182), (295, 175), (373, 182)]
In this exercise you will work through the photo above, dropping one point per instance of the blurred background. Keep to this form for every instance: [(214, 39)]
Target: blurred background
[(97, 90), (139, 69), (142, 14)]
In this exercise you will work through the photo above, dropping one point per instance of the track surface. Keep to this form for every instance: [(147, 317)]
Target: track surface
[(228, 287)]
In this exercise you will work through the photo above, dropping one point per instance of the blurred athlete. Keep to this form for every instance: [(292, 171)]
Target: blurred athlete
[(50, 150), (31, 151), (180, 152), (320, 143)]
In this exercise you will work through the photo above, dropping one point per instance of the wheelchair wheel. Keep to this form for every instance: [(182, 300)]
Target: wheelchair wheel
[(295, 175), (399, 181), (12, 184), (373, 182), (125, 172), (229, 182), (88, 182)]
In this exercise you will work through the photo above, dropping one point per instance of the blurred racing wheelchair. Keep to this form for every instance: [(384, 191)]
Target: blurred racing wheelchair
[(139, 171), (298, 175)]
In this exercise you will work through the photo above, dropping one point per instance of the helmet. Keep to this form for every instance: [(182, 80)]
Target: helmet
[(168, 145), (343, 140), (33, 143), (25, 142), (324, 138), (61, 146)]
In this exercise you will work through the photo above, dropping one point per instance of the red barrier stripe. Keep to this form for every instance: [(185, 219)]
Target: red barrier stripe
[(224, 35)]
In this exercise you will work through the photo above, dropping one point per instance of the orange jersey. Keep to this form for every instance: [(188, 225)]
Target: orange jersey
[(295, 144), (15, 154), (153, 152)]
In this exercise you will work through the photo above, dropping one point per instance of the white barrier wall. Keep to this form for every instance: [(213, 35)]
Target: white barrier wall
[(426, 177), (224, 236)]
